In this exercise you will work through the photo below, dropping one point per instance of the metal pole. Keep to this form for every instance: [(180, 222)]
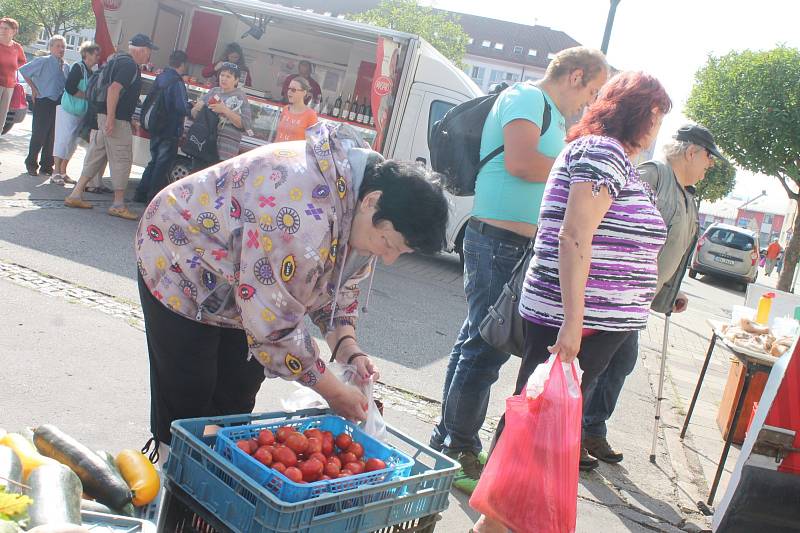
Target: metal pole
[(661, 373), (612, 10)]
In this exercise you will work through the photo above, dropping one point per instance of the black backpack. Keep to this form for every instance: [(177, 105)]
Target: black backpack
[(201, 139), (455, 143), (154, 114), (99, 82)]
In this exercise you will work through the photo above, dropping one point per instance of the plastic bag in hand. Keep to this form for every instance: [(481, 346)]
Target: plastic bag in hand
[(307, 398), (530, 483)]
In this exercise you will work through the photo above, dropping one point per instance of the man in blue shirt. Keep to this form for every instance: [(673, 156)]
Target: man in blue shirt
[(164, 143), (46, 77), (505, 213)]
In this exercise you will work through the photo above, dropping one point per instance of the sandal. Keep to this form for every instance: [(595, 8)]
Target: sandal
[(122, 212), (68, 180), (57, 179)]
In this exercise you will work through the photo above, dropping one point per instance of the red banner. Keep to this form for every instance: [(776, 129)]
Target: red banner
[(383, 87), (101, 33)]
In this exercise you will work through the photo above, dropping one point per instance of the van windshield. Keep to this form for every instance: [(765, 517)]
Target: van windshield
[(731, 239)]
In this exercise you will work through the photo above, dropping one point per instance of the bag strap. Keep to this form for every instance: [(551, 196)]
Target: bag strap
[(546, 118)]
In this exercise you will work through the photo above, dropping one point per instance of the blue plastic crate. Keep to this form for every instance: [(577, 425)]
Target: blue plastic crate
[(398, 464), (244, 506)]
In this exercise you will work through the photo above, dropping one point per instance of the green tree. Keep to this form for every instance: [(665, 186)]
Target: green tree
[(442, 30), (718, 183), (751, 102), (55, 16)]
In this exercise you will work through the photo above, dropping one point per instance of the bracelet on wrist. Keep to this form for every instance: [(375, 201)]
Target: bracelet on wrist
[(353, 357), (338, 344)]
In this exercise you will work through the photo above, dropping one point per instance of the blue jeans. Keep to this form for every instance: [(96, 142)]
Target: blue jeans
[(601, 397), (475, 365), (162, 155)]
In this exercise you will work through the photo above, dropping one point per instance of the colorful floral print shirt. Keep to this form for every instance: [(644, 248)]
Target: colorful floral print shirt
[(253, 243)]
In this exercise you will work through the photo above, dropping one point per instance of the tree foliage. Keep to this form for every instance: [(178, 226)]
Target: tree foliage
[(718, 183), (55, 16), (750, 100), (442, 30)]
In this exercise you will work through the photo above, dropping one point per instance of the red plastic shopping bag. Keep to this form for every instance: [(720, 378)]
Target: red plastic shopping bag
[(531, 480)]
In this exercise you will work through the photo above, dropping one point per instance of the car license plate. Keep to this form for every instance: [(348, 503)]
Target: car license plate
[(724, 260)]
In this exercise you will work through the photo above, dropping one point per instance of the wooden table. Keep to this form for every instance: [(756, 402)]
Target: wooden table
[(753, 362)]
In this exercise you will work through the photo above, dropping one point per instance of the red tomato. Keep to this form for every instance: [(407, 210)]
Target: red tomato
[(374, 464), (297, 442), (263, 456), (324, 477), (344, 473), (266, 438), (357, 449), (280, 467), (343, 441), (332, 469), (355, 467), (312, 469), (283, 432), (244, 445), (348, 457), (336, 460), (327, 435), (319, 457), (285, 455), (294, 474), (313, 433), (314, 445)]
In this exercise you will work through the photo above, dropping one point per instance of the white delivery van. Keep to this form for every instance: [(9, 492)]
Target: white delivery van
[(399, 83)]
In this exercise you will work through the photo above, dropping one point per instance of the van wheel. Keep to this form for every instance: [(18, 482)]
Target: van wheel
[(459, 245), (181, 168), (693, 273)]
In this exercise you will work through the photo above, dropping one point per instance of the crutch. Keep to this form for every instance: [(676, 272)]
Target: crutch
[(660, 386)]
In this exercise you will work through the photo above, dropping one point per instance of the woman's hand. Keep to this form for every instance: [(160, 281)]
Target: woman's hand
[(366, 369), (349, 402), (218, 65), (220, 108), (568, 342)]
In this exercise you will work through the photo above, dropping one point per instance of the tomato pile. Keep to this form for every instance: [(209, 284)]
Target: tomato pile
[(313, 455)]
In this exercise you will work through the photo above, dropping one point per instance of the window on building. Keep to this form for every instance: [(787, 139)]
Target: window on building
[(518, 50), (551, 56), (73, 41), (486, 44), (43, 37), (742, 222), (767, 219), (477, 74), (496, 76), (498, 46), (531, 78), (510, 76), (531, 52)]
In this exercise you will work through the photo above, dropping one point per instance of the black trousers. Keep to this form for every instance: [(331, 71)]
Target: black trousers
[(196, 370), (595, 354), (43, 133)]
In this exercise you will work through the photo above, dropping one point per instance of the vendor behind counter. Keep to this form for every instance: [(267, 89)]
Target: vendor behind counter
[(233, 54), (305, 69)]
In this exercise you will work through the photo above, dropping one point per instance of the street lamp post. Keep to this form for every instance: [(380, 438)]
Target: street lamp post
[(612, 10)]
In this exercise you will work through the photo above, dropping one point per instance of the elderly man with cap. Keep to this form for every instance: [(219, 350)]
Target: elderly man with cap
[(689, 154), (113, 139)]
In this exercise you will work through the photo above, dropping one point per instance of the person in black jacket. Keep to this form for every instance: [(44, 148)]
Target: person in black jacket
[(164, 143)]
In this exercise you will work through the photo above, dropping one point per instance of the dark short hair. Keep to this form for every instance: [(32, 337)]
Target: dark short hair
[(233, 68), (234, 48), (411, 201), (178, 58)]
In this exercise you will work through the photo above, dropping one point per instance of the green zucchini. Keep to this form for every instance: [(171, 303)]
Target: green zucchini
[(99, 480), (95, 507), (10, 470), (56, 494)]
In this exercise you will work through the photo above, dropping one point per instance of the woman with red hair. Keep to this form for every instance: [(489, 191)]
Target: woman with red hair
[(593, 274), (11, 58)]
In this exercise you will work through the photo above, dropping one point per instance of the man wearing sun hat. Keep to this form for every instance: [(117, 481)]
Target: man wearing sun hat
[(688, 156), (113, 139)]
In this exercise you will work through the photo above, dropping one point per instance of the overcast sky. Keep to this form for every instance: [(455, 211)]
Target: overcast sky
[(671, 39)]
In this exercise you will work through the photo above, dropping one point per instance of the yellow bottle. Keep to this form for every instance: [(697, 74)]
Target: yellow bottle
[(764, 307)]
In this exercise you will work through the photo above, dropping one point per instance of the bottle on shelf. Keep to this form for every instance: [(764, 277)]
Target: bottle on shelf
[(345, 109), (371, 117), (337, 107), (361, 110), (353, 110)]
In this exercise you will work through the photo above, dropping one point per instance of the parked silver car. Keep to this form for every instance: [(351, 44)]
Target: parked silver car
[(728, 252)]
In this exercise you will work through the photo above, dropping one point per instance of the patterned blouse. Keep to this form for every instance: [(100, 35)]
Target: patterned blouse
[(623, 270)]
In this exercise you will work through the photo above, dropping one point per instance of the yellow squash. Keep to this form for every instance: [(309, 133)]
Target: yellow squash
[(25, 450), (140, 475)]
